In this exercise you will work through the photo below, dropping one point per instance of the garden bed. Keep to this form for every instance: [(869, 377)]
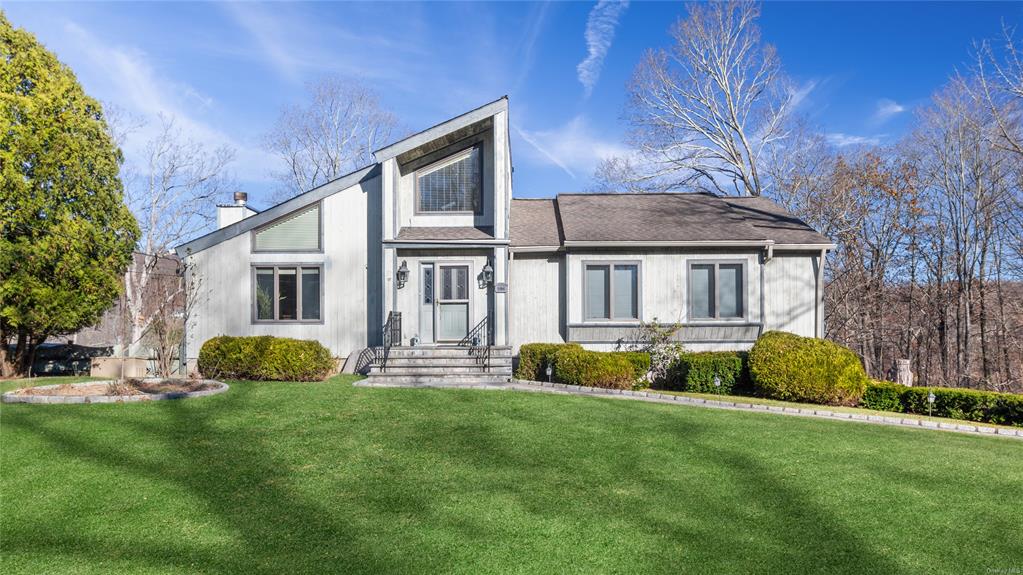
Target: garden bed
[(114, 391)]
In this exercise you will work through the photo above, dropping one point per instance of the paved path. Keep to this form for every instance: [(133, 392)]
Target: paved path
[(656, 397)]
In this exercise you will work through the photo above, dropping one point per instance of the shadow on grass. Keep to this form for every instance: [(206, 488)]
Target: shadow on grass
[(572, 465), (276, 529)]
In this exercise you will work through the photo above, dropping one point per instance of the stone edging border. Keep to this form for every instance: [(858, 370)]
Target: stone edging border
[(653, 396), (11, 397)]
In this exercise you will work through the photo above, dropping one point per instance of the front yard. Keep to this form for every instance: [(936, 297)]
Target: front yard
[(313, 478)]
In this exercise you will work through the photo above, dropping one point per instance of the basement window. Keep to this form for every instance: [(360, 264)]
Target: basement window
[(287, 294)]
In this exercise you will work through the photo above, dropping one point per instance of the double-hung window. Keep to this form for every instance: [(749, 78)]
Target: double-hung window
[(454, 184), (611, 291), (287, 294), (717, 290)]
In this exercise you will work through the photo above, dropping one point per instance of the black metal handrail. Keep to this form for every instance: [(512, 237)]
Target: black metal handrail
[(392, 337), (479, 340)]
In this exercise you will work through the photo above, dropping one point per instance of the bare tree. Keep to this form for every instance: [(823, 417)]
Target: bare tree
[(705, 112), (173, 196), (333, 133)]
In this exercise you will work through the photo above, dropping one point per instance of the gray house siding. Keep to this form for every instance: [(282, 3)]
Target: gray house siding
[(221, 277)]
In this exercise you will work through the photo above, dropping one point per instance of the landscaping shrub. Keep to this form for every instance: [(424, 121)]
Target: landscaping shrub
[(264, 358), (535, 357), (883, 396), (793, 368), (577, 366), (970, 404), (640, 361), (695, 372)]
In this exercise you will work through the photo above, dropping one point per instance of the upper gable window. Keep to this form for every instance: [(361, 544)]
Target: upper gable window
[(454, 184), (299, 232)]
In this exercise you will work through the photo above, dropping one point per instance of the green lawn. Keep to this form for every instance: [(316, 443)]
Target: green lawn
[(317, 478)]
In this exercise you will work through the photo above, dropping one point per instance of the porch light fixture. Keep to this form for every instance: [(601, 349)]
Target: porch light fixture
[(487, 277), (402, 274)]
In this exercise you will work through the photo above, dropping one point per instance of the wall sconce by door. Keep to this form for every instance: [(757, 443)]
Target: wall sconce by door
[(402, 274), (487, 275)]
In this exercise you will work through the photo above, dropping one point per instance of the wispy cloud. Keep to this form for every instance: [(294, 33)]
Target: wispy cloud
[(574, 147), (535, 25), (600, 32), (842, 140), (143, 92), (800, 93), (886, 109), (268, 35)]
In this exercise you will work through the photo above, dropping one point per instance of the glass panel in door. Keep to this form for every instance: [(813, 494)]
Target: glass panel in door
[(426, 301), (453, 303)]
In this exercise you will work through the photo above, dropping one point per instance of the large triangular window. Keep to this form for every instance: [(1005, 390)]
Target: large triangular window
[(453, 184)]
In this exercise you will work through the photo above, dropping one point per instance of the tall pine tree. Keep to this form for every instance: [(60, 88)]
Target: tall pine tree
[(66, 236)]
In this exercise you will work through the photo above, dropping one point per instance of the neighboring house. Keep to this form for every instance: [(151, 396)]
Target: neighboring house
[(431, 232)]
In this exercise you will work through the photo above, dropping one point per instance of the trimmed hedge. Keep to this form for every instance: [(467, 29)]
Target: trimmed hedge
[(792, 368), (695, 372), (966, 404), (265, 358), (640, 361), (535, 357), (577, 366), (883, 396)]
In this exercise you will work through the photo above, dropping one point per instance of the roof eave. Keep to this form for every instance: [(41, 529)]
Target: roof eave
[(448, 126)]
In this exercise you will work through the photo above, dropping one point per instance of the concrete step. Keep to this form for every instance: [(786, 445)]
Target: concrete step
[(420, 351), (443, 361), (436, 371), (448, 379)]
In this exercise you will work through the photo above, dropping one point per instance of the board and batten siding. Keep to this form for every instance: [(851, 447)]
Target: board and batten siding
[(221, 276), (790, 293), (536, 294)]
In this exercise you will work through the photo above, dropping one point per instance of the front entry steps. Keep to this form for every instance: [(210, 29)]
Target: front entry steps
[(454, 365)]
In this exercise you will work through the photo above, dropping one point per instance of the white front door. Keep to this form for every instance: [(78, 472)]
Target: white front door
[(452, 302)]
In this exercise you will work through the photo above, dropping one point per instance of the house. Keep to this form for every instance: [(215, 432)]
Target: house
[(423, 264)]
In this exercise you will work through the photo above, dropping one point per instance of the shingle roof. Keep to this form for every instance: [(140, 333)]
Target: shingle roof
[(445, 233), (650, 218), (665, 217), (776, 222), (535, 223)]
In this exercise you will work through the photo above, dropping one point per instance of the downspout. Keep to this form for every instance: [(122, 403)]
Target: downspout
[(763, 285), (507, 298), (819, 307)]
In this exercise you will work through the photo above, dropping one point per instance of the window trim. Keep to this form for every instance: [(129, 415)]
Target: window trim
[(611, 319), (442, 162), (254, 317), (295, 213), (717, 263)]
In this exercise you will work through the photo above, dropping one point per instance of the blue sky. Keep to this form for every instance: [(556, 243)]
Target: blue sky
[(224, 70)]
